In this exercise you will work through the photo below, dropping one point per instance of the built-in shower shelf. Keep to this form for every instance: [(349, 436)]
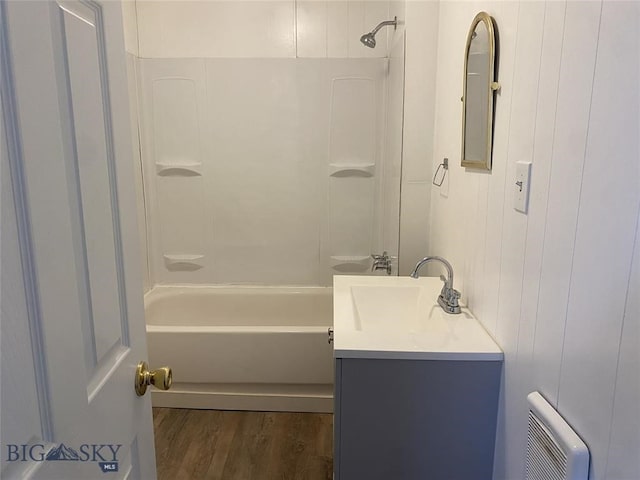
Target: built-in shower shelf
[(179, 169), (353, 263), (351, 170), (183, 262)]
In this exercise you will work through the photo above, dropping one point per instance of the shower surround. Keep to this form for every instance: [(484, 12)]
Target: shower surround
[(262, 171)]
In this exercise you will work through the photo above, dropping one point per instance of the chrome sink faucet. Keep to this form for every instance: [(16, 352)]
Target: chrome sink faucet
[(448, 298)]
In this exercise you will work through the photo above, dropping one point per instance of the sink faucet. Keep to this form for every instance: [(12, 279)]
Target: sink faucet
[(449, 296)]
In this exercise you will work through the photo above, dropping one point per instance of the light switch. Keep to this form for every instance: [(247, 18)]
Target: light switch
[(521, 186)]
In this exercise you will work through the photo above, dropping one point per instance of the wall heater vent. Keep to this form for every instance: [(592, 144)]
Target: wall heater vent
[(554, 450)]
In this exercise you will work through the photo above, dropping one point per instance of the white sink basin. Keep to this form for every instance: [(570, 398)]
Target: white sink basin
[(379, 307), (399, 317)]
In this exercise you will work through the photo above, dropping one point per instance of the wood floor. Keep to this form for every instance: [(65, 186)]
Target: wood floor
[(212, 444)]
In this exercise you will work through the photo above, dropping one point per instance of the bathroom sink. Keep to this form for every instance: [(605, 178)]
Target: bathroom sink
[(395, 308), (399, 317), (380, 307)]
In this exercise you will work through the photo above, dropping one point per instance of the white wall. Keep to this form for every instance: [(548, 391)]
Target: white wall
[(132, 74), (130, 28), (392, 158), (555, 287), (417, 155), (258, 29)]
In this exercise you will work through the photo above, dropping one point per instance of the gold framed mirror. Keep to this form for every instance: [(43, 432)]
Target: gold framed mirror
[(479, 89)]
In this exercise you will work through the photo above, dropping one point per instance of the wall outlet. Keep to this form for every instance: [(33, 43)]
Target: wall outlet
[(521, 186)]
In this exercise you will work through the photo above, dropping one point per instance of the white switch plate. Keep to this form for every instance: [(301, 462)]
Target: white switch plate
[(521, 186)]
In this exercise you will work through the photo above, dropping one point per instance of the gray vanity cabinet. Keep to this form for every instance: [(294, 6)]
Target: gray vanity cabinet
[(415, 419)]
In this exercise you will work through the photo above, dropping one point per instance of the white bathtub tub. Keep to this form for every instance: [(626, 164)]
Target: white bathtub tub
[(242, 348)]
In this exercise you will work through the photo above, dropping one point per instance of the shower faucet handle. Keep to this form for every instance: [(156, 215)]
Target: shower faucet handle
[(381, 262)]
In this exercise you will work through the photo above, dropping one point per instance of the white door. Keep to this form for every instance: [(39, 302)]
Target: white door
[(68, 360)]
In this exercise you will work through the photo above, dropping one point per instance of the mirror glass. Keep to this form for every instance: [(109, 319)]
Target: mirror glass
[(479, 88)]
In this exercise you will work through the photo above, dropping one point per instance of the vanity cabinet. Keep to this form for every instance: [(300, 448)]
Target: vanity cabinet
[(415, 419), (416, 388)]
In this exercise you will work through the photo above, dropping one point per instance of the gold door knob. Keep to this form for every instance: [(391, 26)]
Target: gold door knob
[(160, 378)]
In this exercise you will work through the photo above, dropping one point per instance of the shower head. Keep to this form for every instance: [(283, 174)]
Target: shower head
[(369, 39)]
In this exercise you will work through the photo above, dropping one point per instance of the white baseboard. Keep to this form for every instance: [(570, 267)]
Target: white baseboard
[(252, 397)]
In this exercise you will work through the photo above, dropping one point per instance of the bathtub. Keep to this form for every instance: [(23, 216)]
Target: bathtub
[(242, 348)]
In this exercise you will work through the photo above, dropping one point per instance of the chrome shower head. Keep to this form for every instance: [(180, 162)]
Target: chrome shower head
[(369, 39)]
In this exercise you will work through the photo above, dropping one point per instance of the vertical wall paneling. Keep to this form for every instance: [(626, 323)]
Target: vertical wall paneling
[(337, 29), (419, 104), (454, 20), (514, 231), (356, 23), (256, 29), (472, 285), (363, 16), (590, 350), (565, 310), (506, 17), (312, 32), (625, 424), (497, 234), (547, 76), (541, 172), (572, 116), (374, 13), (231, 29)]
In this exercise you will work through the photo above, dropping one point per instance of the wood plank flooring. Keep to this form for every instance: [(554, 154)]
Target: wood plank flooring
[(226, 445)]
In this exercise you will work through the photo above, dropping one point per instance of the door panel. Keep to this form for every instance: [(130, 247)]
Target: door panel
[(105, 334), (20, 368), (75, 175)]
